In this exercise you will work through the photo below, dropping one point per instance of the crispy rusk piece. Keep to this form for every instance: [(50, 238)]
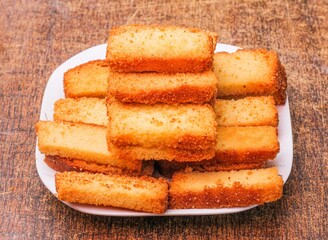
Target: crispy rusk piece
[(250, 73), (249, 111), (185, 126), (144, 193), (62, 164), (225, 189), (246, 144), (167, 168), (79, 141), (87, 80), (170, 154), (151, 88), (81, 110), (171, 49)]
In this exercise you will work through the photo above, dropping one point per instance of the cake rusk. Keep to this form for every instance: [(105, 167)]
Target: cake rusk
[(79, 141), (249, 111), (246, 144), (224, 189), (144, 193), (81, 110), (62, 164), (184, 126), (87, 80), (151, 88), (168, 168), (170, 49), (250, 73)]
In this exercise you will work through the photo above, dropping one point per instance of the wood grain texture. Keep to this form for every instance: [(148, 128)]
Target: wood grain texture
[(37, 36)]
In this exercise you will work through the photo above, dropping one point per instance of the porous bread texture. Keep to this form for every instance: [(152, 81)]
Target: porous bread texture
[(79, 141), (62, 164), (171, 49), (249, 111), (225, 189), (168, 168), (137, 193), (185, 126), (87, 80), (151, 88), (250, 73), (246, 144), (81, 110)]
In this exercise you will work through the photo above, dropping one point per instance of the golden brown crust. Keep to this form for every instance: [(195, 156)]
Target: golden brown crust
[(185, 142), (183, 94), (215, 194), (170, 154), (62, 164), (280, 96), (124, 62), (222, 197), (138, 193), (168, 168), (260, 155), (173, 65)]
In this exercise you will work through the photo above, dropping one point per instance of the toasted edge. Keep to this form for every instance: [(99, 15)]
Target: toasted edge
[(168, 168), (62, 164), (143, 193), (219, 196)]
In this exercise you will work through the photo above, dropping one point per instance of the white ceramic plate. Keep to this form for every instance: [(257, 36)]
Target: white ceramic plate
[(54, 91)]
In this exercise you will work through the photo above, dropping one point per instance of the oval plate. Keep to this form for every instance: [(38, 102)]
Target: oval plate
[(54, 91)]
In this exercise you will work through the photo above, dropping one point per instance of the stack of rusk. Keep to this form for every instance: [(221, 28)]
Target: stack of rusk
[(210, 120)]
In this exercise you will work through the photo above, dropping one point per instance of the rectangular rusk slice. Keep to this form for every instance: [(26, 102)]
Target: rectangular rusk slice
[(140, 48), (225, 189), (151, 88), (246, 144), (250, 73), (87, 80), (144, 193), (79, 141), (185, 126), (81, 110), (249, 111)]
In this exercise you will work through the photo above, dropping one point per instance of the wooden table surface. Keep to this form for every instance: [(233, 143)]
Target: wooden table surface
[(37, 36)]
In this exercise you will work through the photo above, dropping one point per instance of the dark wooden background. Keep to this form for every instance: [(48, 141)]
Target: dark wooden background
[(37, 36)]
